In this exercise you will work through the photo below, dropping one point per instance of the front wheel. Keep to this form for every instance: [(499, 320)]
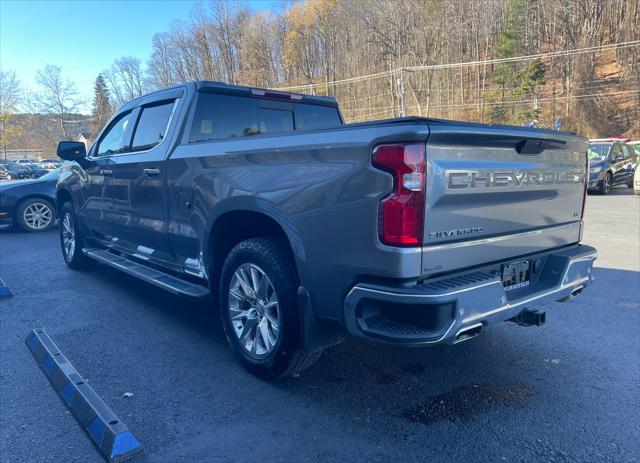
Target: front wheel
[(71, 239), (605, 186), (259, 310)]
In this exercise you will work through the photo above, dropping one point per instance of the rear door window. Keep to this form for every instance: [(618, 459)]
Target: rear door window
[(152, 125), (616, 152), (227, 116), (626, 151)]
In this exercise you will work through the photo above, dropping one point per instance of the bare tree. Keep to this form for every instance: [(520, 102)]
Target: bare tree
[(313, 43), (10, 93), (125, 79), (161, 69), (58, 95)]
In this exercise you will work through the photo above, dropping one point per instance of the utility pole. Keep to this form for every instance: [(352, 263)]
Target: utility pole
[(4, 136), (400, 91)]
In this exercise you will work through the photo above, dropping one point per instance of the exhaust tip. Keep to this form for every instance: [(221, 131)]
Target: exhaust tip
[(573, 294), (468, 333)]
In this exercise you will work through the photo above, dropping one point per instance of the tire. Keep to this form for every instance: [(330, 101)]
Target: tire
[(246, 296), (605, 185), (72, 253), (35, 215)]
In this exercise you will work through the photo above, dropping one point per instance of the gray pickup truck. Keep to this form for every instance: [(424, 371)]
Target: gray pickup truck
[(413, 231)]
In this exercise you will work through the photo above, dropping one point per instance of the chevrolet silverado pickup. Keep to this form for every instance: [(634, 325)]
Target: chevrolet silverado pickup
[(301, 228)]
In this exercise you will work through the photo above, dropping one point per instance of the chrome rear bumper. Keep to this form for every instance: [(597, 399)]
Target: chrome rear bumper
[(446, 310)]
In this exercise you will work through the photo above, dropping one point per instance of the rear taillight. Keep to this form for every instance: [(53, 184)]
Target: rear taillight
[(402, 212), (586, 185)]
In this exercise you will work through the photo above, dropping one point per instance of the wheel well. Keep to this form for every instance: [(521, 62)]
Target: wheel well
[(234, 227), (62, 197)]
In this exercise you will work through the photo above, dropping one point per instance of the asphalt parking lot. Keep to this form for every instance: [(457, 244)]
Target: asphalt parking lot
[(568, 391)]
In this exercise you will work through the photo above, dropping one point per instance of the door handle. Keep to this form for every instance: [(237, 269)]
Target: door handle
[(151, 172), (106, 172)]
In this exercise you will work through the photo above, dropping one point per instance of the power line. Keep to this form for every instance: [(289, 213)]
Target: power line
[(562, 53), (530, 101), (602, 85), (390, 110), (392, 72), (545, 88)]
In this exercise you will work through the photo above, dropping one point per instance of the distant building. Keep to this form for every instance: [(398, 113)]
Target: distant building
[(84, 137)]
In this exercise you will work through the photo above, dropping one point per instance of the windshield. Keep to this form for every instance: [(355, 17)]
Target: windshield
[(598, 152)]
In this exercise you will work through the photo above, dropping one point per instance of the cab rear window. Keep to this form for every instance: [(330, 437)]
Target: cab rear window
[(228, 116), (313, 117)]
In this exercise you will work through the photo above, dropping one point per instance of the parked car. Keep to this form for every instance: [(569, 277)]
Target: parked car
[(35, 171), (635, 144), (611, 163), (29, 204), (5, 174), (48, 165), (55, 162), (10, 171), (412, 231)]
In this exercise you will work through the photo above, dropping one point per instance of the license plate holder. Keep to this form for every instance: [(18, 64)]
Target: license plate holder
[(516, 274)]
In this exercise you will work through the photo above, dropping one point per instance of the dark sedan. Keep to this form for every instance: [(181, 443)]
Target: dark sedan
[(611, 163), (29, 204), (9, 171), (34, 170)]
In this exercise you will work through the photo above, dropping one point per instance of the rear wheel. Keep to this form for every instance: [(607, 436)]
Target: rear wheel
[(71, 239), (605, 185), (35, 215), (259, 310)]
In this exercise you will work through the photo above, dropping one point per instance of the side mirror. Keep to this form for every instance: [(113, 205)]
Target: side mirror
[(71, 150), (618, 158)]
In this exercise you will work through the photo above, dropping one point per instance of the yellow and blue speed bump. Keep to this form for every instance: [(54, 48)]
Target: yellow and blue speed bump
[(110, 435), (4, 291)]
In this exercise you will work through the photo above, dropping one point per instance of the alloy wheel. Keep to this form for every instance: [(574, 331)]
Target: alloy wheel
[(254, 310), (68, 236), (37, 215)]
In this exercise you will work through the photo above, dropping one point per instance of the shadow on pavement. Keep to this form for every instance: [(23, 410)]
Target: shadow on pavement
[(507, 366), (616, 191)]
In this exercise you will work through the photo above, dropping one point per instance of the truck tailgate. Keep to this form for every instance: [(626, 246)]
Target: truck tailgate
[(496, 192)]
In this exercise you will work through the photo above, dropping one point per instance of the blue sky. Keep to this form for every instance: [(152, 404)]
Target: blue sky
[(84, 37)]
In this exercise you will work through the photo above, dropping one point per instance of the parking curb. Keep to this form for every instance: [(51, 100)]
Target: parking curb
[(110, 435), (4, 291)]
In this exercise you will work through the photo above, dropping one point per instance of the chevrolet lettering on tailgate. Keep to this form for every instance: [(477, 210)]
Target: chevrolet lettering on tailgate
[(458, 179)]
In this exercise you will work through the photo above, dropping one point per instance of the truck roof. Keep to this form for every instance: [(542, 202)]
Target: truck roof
[(266, 93), (220, 87)]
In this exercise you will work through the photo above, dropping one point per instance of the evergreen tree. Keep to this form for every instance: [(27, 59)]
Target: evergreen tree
[(505, 74), (102, 109)]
